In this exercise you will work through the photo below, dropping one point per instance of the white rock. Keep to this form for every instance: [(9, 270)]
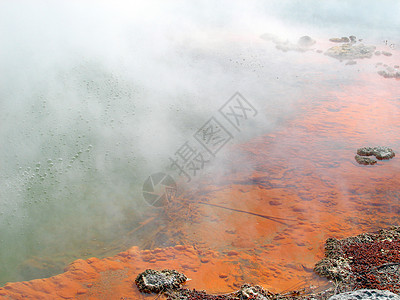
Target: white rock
[(366, 295)]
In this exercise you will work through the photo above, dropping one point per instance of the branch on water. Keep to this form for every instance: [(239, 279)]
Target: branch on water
[(271, 218)]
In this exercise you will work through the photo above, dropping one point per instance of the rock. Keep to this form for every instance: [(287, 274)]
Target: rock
[(350, 51), (385, 74), (365, 151), (340, 40), (305, 41), (347, 261), (366, 294), (332, 266), (383, 153), (379, 152), (386, 53), (362, 160), (396, 66), (153, 281), (252, 292), (353, 39), (389, 74), (246, 292), (377, 53)]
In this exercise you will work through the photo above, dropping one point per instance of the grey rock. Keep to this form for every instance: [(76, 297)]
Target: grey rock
[(353, 39), (386, 53), (363, 160), (386, 74), (383, 153), (366, 151), (379, 152), (154, 281), (366, 295), (253, 292)]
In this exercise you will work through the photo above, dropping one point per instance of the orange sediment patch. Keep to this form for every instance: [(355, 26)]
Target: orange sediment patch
[(114, 278)]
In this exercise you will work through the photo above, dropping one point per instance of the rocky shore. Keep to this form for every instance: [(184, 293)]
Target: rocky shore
[(366, 266), (368, 260)]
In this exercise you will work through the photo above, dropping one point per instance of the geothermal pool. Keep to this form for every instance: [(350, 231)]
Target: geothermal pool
[(95, 104)]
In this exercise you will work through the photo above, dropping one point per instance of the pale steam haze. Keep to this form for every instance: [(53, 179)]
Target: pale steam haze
[(97, 95)]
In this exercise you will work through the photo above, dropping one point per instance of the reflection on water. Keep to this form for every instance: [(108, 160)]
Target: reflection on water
[(260, 213)]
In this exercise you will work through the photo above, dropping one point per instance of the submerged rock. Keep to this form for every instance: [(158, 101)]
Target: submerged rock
[(350, 51), (366, 295), (153, 281), (386, 53)]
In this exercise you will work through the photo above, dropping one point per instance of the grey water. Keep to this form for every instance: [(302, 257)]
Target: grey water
[(94, 97)]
